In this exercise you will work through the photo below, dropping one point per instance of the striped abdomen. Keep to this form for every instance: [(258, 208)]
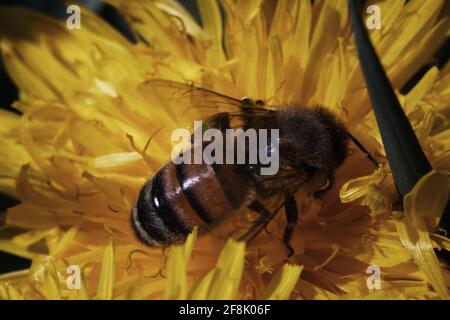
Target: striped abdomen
[(182, 196)]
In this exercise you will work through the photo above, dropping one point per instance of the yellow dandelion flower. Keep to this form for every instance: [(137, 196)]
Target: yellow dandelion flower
[(87, 139)]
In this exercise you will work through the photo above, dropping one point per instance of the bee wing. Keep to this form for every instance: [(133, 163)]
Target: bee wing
[(192, 102), (181, 99)]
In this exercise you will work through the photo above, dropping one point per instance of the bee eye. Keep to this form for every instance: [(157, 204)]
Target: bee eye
[(259, 103), (247, 101)]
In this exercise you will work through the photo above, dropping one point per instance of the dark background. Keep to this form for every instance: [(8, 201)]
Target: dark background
[(57, 8)]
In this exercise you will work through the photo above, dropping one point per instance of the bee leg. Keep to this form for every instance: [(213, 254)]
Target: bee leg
[(365, 151), (327, 186), (265, 216), (290, 208)]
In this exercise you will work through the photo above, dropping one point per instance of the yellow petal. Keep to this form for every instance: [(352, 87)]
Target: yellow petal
[(51, 289), (46, 59), (419, 245), (41, 217), (105, 287), (421, 89), (228, 271), (212, 24), (65, 240), (12, 248), (174, 8), (117, 159), (281, 286), (177, 261), (443, 242), (134, 291), (82, 293), (200, 289), (223, 281), (427, 200), (176, 273), (15, 275), (189, 244), (13, 294)]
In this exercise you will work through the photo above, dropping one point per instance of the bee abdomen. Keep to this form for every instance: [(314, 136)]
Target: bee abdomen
[(157, 219), (182, 196)]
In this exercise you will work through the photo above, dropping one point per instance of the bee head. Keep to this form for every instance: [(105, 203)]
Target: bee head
[(312, 137)]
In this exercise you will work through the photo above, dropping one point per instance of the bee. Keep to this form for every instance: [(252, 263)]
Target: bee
[(312, 144)]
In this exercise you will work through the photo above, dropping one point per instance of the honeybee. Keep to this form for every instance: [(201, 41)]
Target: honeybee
[(312, 144)]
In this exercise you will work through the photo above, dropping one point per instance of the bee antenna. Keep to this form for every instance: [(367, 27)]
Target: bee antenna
[(113, 209), (365, 151), (161, 267), (276, 92), (160, 270), (130, 260), (147, 144)]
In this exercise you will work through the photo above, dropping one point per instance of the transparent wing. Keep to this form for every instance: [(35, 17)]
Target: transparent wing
[(194, 103)]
